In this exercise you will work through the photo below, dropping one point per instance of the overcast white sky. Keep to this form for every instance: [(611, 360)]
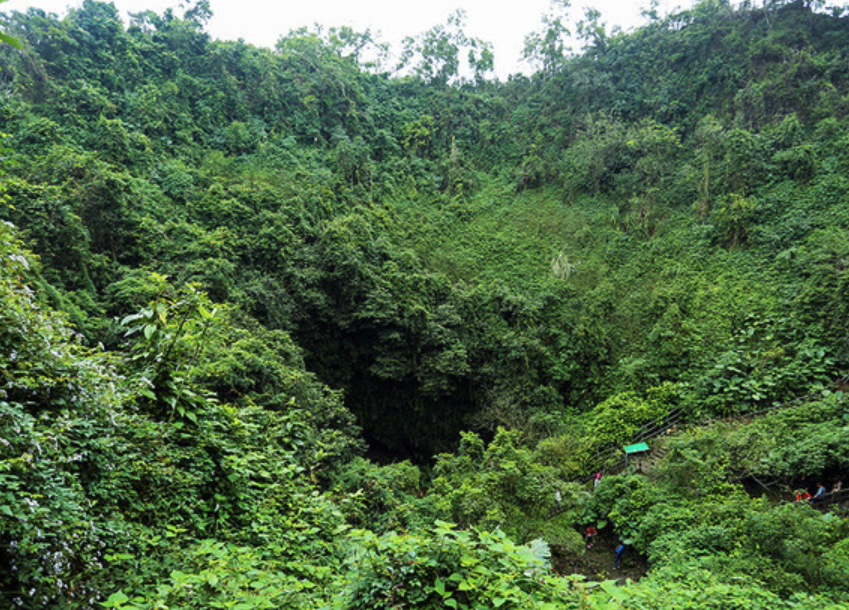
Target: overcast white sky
[(504, 23)]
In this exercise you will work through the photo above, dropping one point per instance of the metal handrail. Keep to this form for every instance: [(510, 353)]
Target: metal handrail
[(829, 499), (660, 426), (673, 418), (647, 431)]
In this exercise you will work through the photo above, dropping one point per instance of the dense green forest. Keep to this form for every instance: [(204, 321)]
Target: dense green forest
[(301, 328)]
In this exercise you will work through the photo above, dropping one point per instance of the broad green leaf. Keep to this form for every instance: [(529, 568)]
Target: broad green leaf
[(116, 599), (10, 40), (149, 329)]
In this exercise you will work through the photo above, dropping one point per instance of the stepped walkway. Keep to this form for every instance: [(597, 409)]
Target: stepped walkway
[(832, 501), (613, 460)]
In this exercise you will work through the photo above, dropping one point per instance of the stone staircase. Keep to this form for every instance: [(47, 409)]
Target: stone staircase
[(650, 459), (612, 460)]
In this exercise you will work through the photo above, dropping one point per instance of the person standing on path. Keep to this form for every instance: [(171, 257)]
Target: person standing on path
[(821, 493), (619, 550), (591, 531), (557, 498)]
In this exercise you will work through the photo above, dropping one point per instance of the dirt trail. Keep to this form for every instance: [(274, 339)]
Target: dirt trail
[(597, 562)]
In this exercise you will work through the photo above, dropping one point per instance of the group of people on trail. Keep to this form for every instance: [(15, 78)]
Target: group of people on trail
[(592, 532), (620, 548), (820, 495)]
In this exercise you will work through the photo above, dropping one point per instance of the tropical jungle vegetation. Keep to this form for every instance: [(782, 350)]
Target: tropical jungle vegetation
[(305, 327)]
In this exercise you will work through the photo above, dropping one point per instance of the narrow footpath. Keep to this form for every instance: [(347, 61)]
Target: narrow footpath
[(597, 563)]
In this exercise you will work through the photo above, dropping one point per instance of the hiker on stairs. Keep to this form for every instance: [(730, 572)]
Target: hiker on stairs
[(821, 493)]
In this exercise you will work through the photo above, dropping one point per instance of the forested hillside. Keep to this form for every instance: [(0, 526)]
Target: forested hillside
[(296, 328)]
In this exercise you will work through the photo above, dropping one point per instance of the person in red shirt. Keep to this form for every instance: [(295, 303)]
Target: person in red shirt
[(591, 531)]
